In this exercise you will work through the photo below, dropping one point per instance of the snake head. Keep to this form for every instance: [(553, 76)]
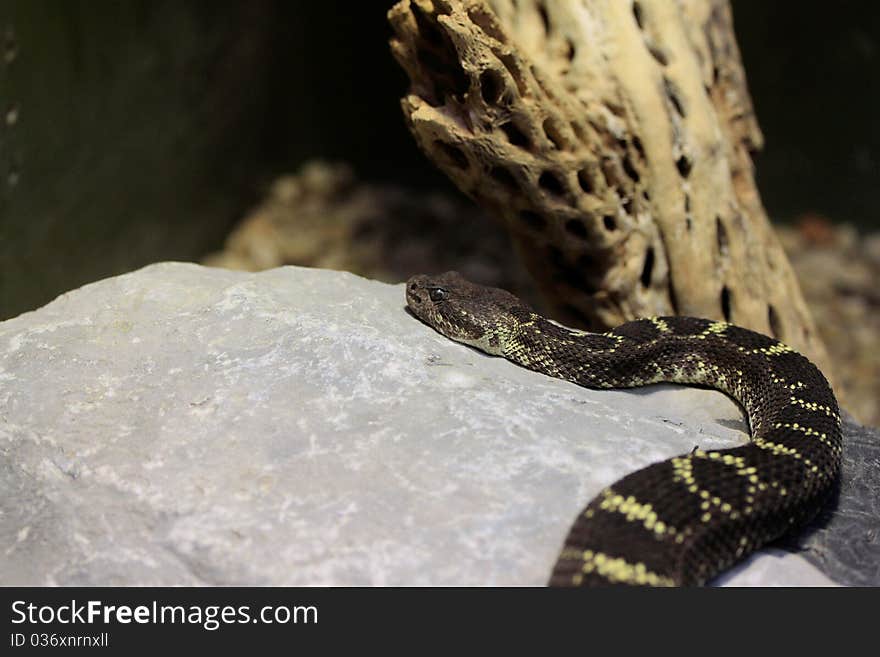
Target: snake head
[(476, 315)]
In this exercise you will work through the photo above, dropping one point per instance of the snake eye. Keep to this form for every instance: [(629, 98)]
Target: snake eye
[(438, 294)]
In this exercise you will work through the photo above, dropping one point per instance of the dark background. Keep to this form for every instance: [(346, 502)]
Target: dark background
[(141, 130)]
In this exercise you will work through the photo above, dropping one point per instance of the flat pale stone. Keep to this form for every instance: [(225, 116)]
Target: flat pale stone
[(186, 425)]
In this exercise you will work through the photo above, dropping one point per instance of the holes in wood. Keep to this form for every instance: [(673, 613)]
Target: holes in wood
[(491, 86), (648, 267), (725, 303), (532, 219), (514, 135), (437, 54), (674, 97), (721, 237), (630, 170), (609, 221), (449, 78), (775, 323), (683, 164), (504, 178), (658, 54), (638, 15), (673, 299), (584, 181), (454, 155), (577, 228), (637, 144), (551, 183), (545, 19)]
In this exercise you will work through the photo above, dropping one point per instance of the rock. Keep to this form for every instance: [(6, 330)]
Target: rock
[(838, 272), (324, 216), (182, 425), (844, 541)]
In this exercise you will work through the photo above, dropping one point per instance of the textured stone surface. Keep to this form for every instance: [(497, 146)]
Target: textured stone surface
[(185, 425), (844, 541)]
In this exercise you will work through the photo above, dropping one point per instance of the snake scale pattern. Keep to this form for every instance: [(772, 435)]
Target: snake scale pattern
[(682, 521)]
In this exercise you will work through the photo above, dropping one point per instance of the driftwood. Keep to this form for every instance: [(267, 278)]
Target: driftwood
[(613, 138)]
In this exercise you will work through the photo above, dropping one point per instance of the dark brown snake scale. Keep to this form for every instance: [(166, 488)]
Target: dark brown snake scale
[(684, 520)]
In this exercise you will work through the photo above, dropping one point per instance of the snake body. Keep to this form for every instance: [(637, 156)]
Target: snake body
[(684, 520)]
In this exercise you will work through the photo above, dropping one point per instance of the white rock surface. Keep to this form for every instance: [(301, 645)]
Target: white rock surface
[(185, 425)]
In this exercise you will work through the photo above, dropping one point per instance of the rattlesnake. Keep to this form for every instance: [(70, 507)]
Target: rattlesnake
[(684, 520)]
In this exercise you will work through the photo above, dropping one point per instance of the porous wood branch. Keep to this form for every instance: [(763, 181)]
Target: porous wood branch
[(613, 138)]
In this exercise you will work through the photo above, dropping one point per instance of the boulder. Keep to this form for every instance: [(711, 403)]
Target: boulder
[(182, 425)]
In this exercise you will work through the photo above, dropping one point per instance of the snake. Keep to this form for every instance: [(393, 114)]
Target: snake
[(684, 520)]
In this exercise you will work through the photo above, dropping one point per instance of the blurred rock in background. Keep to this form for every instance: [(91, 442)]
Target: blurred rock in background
[(324, 217), (838, 269)]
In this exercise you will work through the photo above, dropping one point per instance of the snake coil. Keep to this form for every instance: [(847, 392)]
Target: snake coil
[(684, 520)]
